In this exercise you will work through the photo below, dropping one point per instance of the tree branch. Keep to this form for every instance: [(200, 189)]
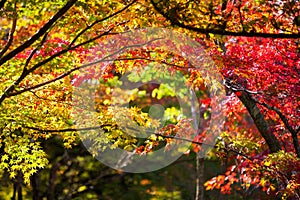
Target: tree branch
[(294, 132), (75, 69), (2, 2), (100, 20), (52, 100), (223, 32), (260, 121), (67, 129), (41, 32), (70, 47), (10, 89), (35, 50), (7, 92), (150, 132), (258, 118)]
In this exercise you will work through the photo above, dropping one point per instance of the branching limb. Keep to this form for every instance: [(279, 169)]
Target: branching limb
[(283, 118), (41, 32), (220, 31), (241, 17), (9, 91), (77, 68), (26, 71), (258, 117), (51, 100), (237, 88), (226, 147), (151, 60), (293, 131), (29, 42)]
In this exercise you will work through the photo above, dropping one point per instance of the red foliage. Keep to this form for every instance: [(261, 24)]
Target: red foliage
[(269, 70)]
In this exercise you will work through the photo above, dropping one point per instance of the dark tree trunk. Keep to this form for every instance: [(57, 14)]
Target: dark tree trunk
[(199, 178), (35, 186), (18, 188), (260, 122)]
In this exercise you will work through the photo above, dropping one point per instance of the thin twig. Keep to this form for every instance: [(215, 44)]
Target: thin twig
[(151, 132), (80, 67), (35, 50), (100, 20)]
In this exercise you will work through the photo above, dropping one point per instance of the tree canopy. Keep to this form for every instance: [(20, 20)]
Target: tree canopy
[(56, 55)]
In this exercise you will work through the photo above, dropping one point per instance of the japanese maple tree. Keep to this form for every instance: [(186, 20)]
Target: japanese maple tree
[(255, 45), (262, 69)]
